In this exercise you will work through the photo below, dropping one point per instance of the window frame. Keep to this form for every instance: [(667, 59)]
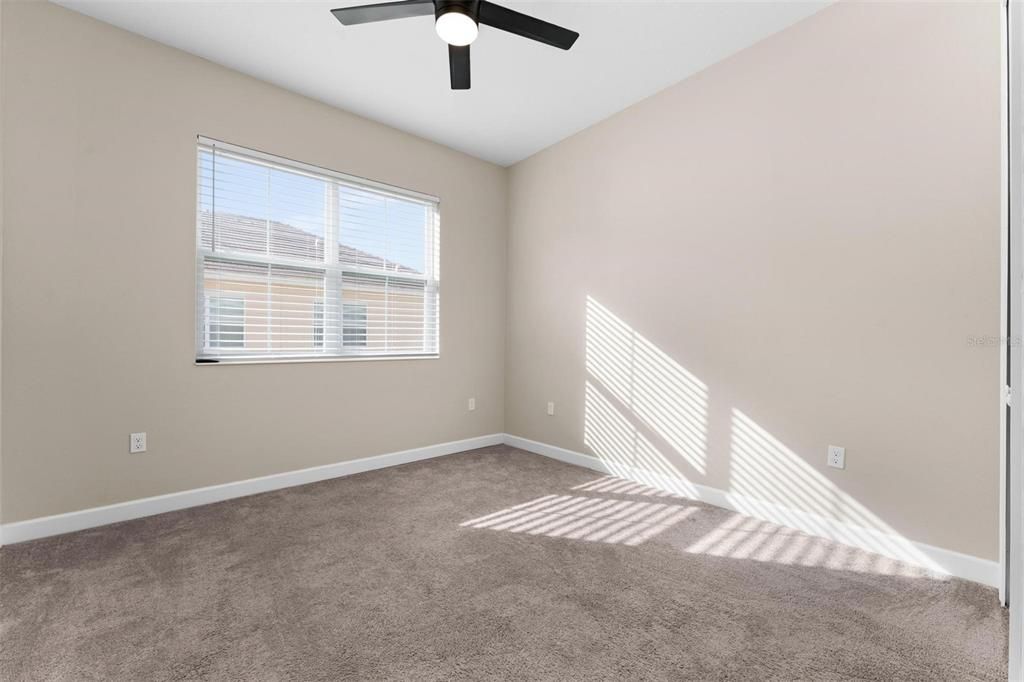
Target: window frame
[(329, 349)]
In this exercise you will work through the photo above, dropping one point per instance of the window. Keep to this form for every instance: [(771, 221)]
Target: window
[(297, 262)]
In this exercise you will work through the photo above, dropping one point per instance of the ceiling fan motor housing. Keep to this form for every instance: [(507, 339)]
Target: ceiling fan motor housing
[(471, 8)]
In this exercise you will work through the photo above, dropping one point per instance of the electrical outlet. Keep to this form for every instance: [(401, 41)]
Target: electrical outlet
[(551, 408), (137, 442), (836, 457), (472, 404)]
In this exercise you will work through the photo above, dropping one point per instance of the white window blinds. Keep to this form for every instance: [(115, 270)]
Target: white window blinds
[(297, 262)]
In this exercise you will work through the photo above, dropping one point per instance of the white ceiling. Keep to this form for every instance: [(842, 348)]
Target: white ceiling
[(525, 95)]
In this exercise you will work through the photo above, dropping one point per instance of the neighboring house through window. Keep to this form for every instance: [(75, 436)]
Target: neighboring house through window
[(354, 325), (318, 324), (225, 322)]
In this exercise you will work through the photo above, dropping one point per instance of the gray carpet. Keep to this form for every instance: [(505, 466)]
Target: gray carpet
[(491, 564)]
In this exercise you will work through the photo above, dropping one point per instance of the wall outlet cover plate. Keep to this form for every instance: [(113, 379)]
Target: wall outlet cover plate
[(836, 457), (137, 442)]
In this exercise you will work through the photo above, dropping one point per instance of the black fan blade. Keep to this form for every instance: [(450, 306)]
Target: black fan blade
[(526, 26), (458, 65), (364, 14)]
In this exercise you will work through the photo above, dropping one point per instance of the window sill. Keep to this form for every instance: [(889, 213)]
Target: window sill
[(203, 362)]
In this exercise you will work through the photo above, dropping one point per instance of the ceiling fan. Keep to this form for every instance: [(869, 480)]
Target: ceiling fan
[(457, 23)]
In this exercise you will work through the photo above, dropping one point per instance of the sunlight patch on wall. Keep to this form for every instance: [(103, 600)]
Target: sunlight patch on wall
[(653, 387), (593, 519), (770, 481), (615, 440), (645, 418)]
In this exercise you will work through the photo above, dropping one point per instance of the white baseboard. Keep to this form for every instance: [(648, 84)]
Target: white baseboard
[(134, 509), (937, 559)]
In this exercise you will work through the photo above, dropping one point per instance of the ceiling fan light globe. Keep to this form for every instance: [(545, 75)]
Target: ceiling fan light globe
[(456, 28)]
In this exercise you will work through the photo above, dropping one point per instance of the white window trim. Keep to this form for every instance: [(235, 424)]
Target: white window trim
[(331, 283)]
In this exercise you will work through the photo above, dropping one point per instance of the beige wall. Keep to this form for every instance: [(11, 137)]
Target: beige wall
[(100, 133), (790, 249)]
